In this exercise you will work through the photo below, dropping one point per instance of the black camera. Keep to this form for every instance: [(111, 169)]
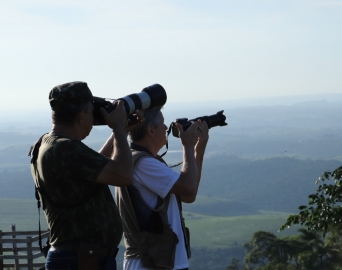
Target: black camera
[(214, 120), (149, 97)]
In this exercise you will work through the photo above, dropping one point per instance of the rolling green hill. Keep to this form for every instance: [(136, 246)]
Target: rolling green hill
[(247, 185), (215, 240), (208, 231), (274, 184), (257, 169)]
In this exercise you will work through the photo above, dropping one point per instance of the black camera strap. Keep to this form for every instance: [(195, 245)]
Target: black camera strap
[(167, 141), (41, 195), (167, 146), (137, 147), (33, 154)]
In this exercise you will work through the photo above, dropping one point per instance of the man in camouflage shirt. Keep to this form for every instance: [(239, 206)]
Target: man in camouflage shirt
[(72, 179)]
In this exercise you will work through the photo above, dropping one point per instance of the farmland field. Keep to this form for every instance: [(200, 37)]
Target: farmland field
[(206, 231)]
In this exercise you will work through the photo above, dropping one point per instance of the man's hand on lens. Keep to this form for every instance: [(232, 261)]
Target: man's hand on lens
[(116, 118)]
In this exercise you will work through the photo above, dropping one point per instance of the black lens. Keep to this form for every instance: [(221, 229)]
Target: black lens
[(214, 120), (157, 95), (217, 119)]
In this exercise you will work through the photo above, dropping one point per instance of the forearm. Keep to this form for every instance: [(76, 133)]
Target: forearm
[(189, 168), (107, 148), (199, 162), (194, 178), (199, 156), (188, 179), (122, 154)]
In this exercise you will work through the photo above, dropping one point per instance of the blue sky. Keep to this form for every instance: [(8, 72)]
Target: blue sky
[(198, 50)]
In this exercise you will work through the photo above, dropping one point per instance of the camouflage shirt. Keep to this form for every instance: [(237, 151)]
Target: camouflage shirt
[(67, 172)]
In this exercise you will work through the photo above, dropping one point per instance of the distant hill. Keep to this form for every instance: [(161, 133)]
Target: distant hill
[(212, 206), (304, 129), (268, 157), (245, 186), (276, 184)]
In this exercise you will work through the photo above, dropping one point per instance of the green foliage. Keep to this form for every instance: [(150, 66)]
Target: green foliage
[(324, 212), (234, 265), (318, 246), (213, 259), (278, 266), (306, 251)]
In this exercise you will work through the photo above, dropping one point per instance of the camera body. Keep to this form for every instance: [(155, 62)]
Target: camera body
[(214, 120), (151, 96)]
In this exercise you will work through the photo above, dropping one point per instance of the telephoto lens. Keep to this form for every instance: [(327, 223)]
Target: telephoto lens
[(151, 96)]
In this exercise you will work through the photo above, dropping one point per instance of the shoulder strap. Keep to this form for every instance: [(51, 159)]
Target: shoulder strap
[(134, 209), (186, 231), (41, 195), (33, 154)]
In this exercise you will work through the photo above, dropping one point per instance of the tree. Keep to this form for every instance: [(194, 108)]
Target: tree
[(234, 265), (306, 251), (261, 249), (319, 245), (324, 212), (265, 250), (322, 218)]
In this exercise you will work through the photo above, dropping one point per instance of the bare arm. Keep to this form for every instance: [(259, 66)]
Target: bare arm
[(188, 182), (186, 185), (107, 148), (117, 172), (200, 147)]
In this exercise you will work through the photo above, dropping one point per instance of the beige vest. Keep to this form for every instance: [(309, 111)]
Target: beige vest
[(155, 243)]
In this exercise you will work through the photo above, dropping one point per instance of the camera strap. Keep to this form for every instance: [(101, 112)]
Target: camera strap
[(41, 195), (167, 141), (167, 146), (33, 154)]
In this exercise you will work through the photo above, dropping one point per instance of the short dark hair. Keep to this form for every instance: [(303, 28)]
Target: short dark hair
[(67, 116), (151, 118)]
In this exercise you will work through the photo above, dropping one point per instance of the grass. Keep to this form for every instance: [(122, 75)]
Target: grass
[(206, 231), (21, 212), (223, 232)]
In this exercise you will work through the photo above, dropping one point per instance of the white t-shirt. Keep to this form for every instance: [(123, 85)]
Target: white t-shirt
[(153, 177)]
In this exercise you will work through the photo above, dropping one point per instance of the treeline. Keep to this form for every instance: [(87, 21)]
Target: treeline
[(306, 251), (202, 258), (318, 247), (16, 183), (214, 259), (275, 184)]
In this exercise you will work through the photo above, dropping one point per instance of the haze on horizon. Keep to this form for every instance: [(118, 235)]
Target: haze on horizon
[(197, 50)]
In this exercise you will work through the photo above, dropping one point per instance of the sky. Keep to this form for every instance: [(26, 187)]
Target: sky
[(197, 50)]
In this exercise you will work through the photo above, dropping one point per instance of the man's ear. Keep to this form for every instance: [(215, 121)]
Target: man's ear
[(80, 117), (150, 131)]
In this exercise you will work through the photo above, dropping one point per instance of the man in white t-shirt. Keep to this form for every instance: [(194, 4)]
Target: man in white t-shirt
[(159, 186)]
